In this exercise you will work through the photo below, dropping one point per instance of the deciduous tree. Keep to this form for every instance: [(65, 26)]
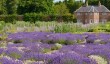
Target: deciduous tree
[(11, 6)]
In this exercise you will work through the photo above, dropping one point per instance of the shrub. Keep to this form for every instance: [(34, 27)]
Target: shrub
[(70, 42), (51, 42), (3, 38), (64, 28), (98, 59), (61, 41), (107, 30), (32, 17), (53, 17), (90, 30), (103, 41), (8, 18), (15, 55), (2, 24), (46, 50), (56, 47), (17, 41), (67, 18)]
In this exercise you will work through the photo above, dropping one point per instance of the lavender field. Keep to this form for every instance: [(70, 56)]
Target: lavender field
[(54, 32), (55, 48)]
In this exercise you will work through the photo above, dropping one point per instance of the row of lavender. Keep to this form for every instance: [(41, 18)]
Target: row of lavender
[(44, 48), (61, 38)]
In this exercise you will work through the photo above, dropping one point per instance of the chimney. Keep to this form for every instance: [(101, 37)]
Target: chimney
[(99, 4)]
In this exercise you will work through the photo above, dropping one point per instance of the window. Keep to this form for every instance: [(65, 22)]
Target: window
[(86, 20), (96, 21), (86, 13), (91, 13), (78, 21), (104, 13), (91, 21), (104, 20), (78, 14)]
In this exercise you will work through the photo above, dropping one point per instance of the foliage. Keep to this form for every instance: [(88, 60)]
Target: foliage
[(62, 27), (2, 7), (17, 41), (103, 2), (45, 50), (98, 59), (55, 53), (15, 55), (68, 18), (30, 17), (33, 17), (45, 9), (38, 6), (11, 6), (72, 5), (2, 24), (8, 18), (61, 9), (66, 27)]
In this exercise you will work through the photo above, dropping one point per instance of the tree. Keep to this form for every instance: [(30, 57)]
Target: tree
[(37, 6), (77, 5), (61, 9), (48, 4), (11, 6), (72, 5), (26, 6), (103, 2), (93, 2), (2, 7), (66, 1)]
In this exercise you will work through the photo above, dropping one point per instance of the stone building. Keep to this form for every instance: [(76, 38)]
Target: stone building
[(92, 14)]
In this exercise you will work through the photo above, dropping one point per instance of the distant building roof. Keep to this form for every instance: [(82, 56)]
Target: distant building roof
[(101, 8)]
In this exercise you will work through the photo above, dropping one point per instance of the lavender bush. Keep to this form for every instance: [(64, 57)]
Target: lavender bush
[(55, 48)]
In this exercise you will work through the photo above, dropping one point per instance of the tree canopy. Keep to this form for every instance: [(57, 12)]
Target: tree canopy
[(46, 7)]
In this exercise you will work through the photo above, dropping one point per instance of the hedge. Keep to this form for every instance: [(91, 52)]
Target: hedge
[(11, 18), (33, 17)]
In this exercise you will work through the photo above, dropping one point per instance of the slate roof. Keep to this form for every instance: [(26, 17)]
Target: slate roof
[(101, 8)]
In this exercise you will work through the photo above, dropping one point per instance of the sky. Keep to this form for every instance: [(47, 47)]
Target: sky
[(62, 0), (57, 0)]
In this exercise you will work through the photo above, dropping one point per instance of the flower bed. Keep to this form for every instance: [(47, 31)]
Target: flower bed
[(55, 48)]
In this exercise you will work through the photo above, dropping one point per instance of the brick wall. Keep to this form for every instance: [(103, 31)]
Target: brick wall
[(86, 17), (95, 17)]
